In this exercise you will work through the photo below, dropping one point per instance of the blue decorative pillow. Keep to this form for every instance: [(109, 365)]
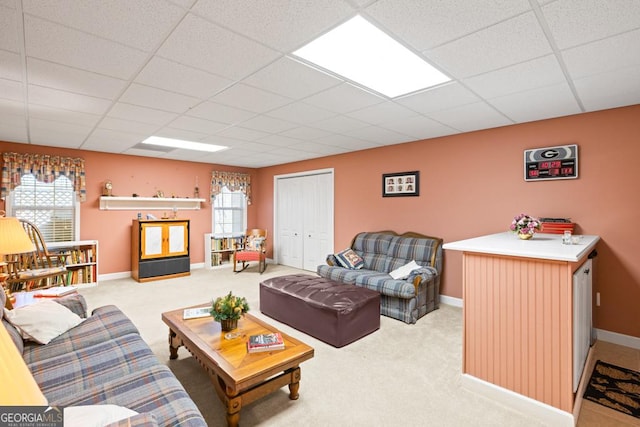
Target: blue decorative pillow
[(349, 259)]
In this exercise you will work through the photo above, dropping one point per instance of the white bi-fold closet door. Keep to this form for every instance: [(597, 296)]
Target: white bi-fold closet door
[(303, 218)]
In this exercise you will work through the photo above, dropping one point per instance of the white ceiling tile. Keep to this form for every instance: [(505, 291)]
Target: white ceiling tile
[(10, 65), (442, 97), (62, 45), (343, 98), (268, 124), (301, 113), (146, 96), (11, 89), (538, 104), (517, 40), (197, 125), (610, 90), (291, 78), (471, 117), (141, 23), (279, 141), (318, 147), (13, 131), (206, 46), (604, 55), (379, 135), (419, 127), (9, 29), (305, 133), (382, 113), (225, 141), (141, 114), (175, 77), (521, 77), (339, 124), (186, 135), (64, 116), (220, 113), (68, 101), (425, 24), (280, 24), (69, 79), (575, 22), (49, 132), (348, 143), (12, 109), (111, 141), (250, 98), (241, 133), (127, 126)]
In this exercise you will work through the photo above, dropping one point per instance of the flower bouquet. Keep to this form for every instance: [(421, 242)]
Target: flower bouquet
[(228, 309), (525, 226)]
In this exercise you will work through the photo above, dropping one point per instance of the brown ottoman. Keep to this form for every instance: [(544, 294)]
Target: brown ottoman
[(333, 312)]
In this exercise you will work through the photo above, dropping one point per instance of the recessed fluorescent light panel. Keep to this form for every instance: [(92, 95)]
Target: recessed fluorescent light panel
[(186, 145), (359, 51)]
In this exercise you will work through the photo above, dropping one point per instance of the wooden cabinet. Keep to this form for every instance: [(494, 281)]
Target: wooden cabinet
[(159, 249)]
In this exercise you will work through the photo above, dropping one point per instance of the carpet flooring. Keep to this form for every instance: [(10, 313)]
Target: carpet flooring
[(400, 375), (615, 387)]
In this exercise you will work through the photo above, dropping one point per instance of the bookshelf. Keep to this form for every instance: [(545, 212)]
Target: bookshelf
[(81, 259), (217, 250)]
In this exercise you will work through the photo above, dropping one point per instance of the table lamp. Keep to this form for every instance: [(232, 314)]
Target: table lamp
[(13, 239)]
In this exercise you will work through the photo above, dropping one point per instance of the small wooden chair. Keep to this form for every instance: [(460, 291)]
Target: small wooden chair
[(37, 269), (252, 248)]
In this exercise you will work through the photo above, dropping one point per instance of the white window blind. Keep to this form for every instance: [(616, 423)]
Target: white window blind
[(229, 213), (50, 206)]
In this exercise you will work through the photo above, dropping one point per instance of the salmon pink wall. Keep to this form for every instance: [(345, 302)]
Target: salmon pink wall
[(143, 176), (472, 184)]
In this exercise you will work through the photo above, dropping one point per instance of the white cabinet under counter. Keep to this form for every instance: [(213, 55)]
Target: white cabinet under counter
[(519, 327)]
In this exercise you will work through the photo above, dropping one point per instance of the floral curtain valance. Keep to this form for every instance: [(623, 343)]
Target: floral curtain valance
[(45, 168), (234, 181)]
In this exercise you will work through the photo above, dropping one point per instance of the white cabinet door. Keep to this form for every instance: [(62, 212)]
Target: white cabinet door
[(304, 220)]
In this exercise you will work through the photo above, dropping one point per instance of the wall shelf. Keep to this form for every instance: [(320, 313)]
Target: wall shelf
[(148, 203)]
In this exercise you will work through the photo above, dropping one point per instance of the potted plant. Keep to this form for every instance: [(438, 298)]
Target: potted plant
[(228, 309), (525, 226)]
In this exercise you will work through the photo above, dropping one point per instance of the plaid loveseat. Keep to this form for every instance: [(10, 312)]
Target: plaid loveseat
[(408, 298), (103, 360)]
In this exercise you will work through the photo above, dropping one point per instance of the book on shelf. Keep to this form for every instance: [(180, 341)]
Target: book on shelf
[(265, 342), (57, 291), (194, 313)]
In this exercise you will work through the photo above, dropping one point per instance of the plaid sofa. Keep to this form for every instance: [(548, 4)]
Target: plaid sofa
[(104, 360), (405, 299)]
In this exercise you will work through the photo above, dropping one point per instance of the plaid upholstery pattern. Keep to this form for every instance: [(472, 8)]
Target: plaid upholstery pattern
[(384, 252), (151, 390), (106, 323), (91, 366), (75, 303), (140, 420)]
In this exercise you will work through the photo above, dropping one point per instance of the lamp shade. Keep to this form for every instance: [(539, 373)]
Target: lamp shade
[(13, 238)]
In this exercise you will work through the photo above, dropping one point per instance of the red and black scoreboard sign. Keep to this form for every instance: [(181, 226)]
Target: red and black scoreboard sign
[(542, 164)]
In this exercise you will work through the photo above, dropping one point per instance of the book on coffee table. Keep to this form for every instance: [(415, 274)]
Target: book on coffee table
[(194, 313), (265, 342), (57, 291)]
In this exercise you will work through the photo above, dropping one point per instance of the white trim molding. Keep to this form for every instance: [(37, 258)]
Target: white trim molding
[(616, 338)]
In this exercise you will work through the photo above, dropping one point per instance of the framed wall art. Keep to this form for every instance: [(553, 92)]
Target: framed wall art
[(401, 184)]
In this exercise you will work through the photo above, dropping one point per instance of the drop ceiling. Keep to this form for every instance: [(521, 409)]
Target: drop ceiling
[(104, 75)]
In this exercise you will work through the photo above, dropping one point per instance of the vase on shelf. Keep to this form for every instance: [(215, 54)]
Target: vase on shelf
[(228, 324), (525, 236)]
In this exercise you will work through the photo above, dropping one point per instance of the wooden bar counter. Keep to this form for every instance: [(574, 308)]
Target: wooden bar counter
[(519, 319)]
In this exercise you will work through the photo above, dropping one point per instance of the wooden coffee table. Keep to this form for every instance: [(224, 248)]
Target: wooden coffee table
[(239, 377)]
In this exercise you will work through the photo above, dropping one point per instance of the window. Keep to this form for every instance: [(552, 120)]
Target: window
[(229, 213), (50, 206)]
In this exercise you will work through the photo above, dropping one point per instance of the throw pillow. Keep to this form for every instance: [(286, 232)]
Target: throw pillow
[(404, 271), (95, 415), (349, 259), (42, 321)]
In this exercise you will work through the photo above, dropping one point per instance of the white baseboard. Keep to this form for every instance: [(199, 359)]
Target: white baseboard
[(456, 302), (541, 411), (616, 338)]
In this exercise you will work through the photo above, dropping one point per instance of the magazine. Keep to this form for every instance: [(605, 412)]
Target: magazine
[(265, 342), (194, 313), (54, 292)]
